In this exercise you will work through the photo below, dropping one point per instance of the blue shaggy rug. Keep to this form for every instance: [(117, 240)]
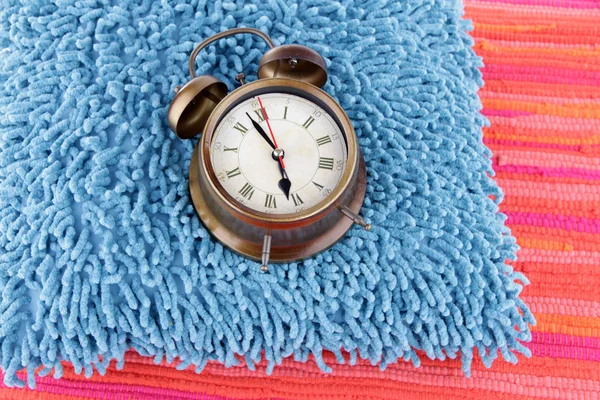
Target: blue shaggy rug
[(101, 250)]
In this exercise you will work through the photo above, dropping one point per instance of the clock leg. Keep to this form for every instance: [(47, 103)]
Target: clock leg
[(266, 251), (357, 219)]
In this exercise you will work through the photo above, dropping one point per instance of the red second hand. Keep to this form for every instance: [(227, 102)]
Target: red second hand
[(264, 112)]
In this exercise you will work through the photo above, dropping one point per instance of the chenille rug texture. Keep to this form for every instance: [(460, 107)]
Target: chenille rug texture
[(100, 248)]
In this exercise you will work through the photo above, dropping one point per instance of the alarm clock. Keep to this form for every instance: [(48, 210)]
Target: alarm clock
[(278, 174)]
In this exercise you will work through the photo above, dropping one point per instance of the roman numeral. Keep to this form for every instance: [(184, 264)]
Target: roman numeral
[(260, 115), (234, 172), (240, 128), (319, 187), (270, 201), (229, 149), (326, 163), (247, 191), (297, 199), (307, 123), (285, 113), (323, 140)]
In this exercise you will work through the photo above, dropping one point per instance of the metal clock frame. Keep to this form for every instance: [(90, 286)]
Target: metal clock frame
[(307, 232)]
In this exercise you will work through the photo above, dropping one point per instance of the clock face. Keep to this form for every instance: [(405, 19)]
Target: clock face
[(249, 169)]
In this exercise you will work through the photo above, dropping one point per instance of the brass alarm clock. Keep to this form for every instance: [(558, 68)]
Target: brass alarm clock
[(277, 174)]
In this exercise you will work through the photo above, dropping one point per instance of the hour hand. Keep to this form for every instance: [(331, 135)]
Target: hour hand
[(284, 183), (261, 131)]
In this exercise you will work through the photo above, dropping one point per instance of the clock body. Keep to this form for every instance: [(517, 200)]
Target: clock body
[(235, 172)]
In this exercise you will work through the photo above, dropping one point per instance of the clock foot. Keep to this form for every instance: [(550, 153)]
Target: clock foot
[(357, 219), (266, 251)]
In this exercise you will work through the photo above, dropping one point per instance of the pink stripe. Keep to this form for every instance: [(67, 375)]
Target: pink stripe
[(545, 159), (538, 45), (520, 143), (550, 122), (496, 8), (561, 306), (581, 4), (550, 190), (561, 339), (559, 346), (489, 94), (554, 221), (540, 74), (575, 257), (577, 173)]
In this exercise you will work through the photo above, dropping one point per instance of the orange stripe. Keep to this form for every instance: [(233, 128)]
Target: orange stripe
[(25, 394), (568, 325), (541, 241), (510, 48)]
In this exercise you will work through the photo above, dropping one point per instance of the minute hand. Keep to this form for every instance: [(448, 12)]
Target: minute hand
[(261, 131)]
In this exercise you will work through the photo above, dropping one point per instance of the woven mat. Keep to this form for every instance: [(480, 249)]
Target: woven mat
[(542, 96)]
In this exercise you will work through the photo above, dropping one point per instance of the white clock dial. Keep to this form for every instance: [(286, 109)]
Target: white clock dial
[(314, 146)]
